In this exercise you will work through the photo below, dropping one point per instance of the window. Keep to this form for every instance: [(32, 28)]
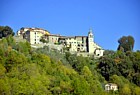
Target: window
[(90, 36)]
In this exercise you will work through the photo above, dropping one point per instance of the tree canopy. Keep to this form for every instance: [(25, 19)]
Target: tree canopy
[(5, 31), (126, 43)]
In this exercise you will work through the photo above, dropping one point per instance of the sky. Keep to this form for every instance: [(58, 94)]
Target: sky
[(109, 19)]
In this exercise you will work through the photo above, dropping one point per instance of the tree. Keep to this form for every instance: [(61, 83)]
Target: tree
[(107, 67), (43, 40), (2, 70), (136, 91), (6, 31), (125, 90), (126, 43), (136, 79)]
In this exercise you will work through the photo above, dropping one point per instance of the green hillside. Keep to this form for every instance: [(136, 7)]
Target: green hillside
[(28, 71)]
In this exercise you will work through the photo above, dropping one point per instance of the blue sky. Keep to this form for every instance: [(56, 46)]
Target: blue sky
[(109, 19)]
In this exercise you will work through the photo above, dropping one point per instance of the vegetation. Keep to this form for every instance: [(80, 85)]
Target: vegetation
[(28, 71), (43, 40), (5, 31), (126, 43)]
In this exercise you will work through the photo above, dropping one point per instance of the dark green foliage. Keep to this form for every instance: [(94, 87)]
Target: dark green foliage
[(107, 67), (136, 79), (126, 43), (28, 71), (6, 31), (109, 52), (121, 64), (43, 40)]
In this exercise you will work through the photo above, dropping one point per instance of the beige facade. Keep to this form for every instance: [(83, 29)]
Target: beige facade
[(53, 38), (32, 35)]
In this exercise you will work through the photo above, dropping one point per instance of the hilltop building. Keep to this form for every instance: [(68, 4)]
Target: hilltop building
[(32, 35), (82, 45)]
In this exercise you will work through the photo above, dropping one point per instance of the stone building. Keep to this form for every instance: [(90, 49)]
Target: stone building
[(32, 35), (82, 45), (52, 38)]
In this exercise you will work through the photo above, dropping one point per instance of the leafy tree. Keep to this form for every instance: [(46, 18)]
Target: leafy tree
[(108, 52), (126, 90), (136, 79), (136, 90), (43, 40), (6, 31), (119, 80), (5, 86), (2, 70), (126, 43), (107, 67), (125, 68), (23, 47)]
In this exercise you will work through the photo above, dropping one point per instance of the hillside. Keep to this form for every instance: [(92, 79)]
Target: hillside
[(28, 71)]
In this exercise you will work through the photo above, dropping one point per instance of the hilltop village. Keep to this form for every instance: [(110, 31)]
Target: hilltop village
[(80, 45), (35, 61)]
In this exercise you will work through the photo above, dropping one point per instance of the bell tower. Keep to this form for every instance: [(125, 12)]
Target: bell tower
[(90, 41)]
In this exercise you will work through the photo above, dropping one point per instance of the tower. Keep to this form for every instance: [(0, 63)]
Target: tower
[(90, 41)]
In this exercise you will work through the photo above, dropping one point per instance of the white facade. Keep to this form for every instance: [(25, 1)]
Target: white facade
[(90, 42), (111, 86), (72, 43), (99, 52)]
